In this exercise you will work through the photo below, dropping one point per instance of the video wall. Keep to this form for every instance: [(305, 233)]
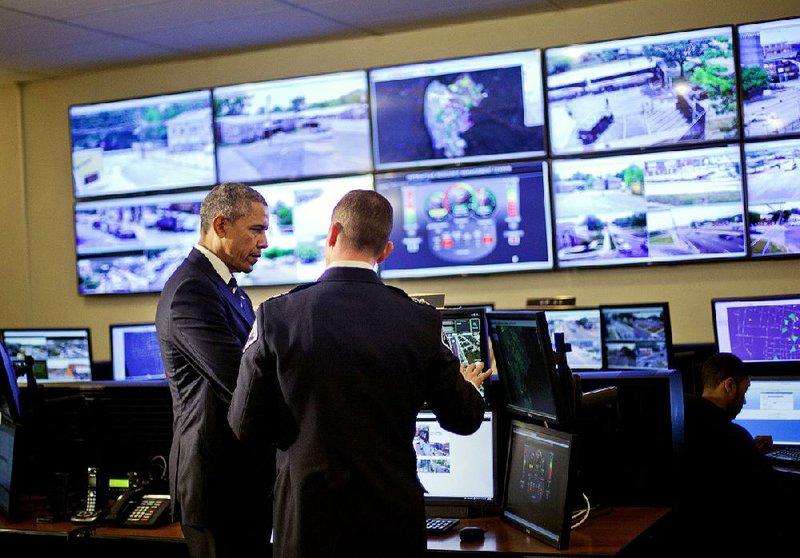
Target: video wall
[(669, 148)]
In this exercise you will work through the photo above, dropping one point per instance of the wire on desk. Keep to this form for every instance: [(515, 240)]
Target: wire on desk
[(584, 513)]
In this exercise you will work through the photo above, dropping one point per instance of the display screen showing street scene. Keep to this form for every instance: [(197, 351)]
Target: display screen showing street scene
[(486, 219), (636, 336), (581, 329), (142, 145), (454, 111), (649, 91), (294, 128), (654, 207), (769, 56), (59, 355), (299, 216), (131, 245), (773, 197)]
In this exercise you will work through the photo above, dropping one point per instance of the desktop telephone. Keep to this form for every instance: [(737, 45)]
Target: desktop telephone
[(136, 508)]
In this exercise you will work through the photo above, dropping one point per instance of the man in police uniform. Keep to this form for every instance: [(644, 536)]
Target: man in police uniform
[(334, 374)]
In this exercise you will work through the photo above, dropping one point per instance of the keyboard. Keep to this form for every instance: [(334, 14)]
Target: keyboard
[(791, 453), (440, 524)]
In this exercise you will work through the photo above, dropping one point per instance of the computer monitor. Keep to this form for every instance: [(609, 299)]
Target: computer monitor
[(636, 335), (526, 366), (457, 472), (773, 409), (135, 354), (763, 331), (466, 333), (540, 471), (9, 390), (581, 329), (59, 355)]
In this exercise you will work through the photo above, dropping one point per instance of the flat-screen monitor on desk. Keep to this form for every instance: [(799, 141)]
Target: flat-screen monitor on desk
[(636, 336), (763, 331), (135, 354), (581, 329), (540, 471), (526, 366), (457, 472), (773, 409), (59, 355)]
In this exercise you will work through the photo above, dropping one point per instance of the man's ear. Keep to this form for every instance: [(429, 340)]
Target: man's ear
[(386, 251), (218, 224), (333, 233)]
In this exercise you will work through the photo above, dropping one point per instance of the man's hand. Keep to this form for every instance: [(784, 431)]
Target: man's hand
[(763, 443), (474, 373)]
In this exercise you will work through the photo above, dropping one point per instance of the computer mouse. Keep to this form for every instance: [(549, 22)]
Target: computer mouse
[(471, 534)]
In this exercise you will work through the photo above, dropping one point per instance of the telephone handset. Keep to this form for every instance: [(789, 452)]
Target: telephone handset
[(136, 508), (91, 513)]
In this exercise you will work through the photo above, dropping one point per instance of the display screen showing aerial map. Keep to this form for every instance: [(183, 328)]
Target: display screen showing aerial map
[(654, 207), (773, 197), (769, 60), (293, 128), (636, 336), (759, 330), (142, 145), (468, 220), (642, 92), (581, 329), (454, 111)]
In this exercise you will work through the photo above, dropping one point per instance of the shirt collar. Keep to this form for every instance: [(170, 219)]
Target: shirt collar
[(221, 269), (352, 263)]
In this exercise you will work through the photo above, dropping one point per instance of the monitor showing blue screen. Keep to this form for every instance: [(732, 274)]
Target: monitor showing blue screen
[(454, 468), (488, 219), (135, 354), (668, 89), (142, 145), (581, 329), (59, 355), (773, 196), (636, 335), (474, 109), (769, 60), (293, 128), (759, 329), (664, 206), (772, 408)]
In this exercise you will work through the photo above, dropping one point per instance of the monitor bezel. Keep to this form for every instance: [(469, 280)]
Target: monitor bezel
[(638, 306), (561, 541), (557, 392), (88, 331)]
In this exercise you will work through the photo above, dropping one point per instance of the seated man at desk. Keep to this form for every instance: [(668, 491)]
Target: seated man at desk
[(729, 498)]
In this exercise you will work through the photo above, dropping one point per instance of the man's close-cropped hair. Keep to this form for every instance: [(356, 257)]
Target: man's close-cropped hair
[(365, 218), (721, 366), (229, 199)]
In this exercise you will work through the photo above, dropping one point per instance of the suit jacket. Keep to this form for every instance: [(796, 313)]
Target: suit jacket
[(334, 373), (202, 327)]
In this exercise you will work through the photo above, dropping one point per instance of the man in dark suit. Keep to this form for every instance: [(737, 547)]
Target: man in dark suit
[(220, 488), (334, 373)]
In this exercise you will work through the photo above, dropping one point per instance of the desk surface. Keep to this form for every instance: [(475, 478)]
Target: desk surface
[(604, 534)]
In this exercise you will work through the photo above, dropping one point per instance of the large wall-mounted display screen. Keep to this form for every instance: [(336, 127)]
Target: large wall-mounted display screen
[(655, 207), (293, 128), (454, 111), (299, 217), (142, 145), (769, 60), (468, 220), (133, 245), (661, 90), (773, 197)]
